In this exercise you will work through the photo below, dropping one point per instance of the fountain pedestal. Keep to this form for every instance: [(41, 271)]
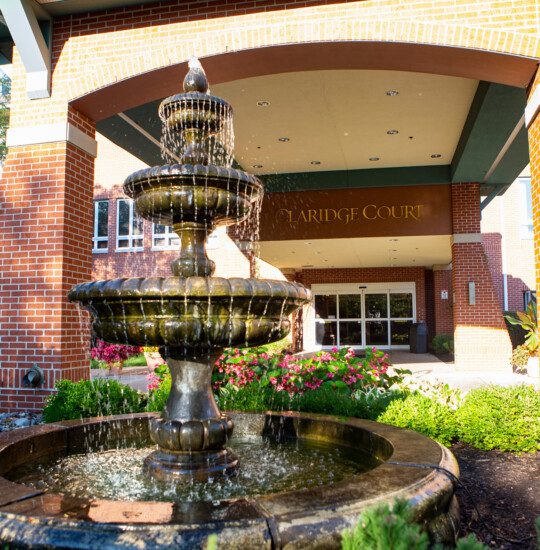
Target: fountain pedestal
[(192, 432)]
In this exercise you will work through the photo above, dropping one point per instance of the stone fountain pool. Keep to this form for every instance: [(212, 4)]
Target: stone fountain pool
[(309, 509), (279, 480)]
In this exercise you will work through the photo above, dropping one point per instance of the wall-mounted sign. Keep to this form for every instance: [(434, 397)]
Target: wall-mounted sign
[(368, 212), (444, 294)]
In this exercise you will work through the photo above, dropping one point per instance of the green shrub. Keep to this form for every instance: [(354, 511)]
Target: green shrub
[(391, 527), (520, 358), (469, 543), (280, 346), (158, 396), (504, 418), (385, 528), (86, 398), (420, 413), (516, 332), (443, 343), (135, 361)]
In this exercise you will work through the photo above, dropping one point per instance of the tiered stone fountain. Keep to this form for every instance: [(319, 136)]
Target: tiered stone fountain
[(69, 502), (191, 315)]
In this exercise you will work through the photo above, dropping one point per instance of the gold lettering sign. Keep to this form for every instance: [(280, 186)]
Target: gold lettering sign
[(346, 215)]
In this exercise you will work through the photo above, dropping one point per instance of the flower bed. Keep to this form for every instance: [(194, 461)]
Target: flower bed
[(113, 354), (338, 369)]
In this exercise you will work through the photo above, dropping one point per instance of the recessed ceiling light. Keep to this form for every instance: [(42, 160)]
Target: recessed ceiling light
[(392, 132), (263, 103), (284, 139), (436, 156), (257, 166), (373, 159), (392, 93), (315, 162)]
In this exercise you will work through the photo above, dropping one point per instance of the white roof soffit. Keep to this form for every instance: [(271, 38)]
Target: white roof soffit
[(20, 16)]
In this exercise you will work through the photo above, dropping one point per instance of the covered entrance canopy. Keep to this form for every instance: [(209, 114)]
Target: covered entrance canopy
[(335, 130)]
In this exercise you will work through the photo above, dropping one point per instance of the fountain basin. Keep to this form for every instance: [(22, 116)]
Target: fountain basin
[(190, 313), (308, 518)]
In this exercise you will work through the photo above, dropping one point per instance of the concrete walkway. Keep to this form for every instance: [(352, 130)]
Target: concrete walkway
[(424, 366), (134, 377)]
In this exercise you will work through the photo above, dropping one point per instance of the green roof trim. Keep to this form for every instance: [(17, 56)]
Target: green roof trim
[(513, 162), (339, 179), (494, 114)]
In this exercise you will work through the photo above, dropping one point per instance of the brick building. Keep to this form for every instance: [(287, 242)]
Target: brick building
[(377, 127)]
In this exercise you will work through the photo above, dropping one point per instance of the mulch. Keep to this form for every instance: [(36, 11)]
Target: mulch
[(506, 490)]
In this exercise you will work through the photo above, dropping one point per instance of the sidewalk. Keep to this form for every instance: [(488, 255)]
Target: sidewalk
[(132, 376), (428, 367)]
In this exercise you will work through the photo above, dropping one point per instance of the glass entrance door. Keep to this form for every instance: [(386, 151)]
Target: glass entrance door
[(367, 317)]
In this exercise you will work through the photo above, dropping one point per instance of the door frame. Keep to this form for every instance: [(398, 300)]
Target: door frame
[(360, 288)]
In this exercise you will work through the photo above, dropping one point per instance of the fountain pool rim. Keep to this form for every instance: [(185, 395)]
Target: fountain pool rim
[(295, 519)]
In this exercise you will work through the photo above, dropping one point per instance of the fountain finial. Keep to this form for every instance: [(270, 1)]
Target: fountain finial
[(195, 80)]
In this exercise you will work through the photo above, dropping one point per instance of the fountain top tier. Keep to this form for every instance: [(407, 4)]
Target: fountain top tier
[(197, 126)]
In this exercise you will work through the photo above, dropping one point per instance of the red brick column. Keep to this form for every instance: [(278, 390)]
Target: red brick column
[(481, 338), (444, 315), (45, 248)]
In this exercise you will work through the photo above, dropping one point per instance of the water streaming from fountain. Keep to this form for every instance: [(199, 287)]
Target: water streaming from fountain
[(192, 316)]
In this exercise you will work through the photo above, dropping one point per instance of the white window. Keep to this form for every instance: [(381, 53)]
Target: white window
[(101, 227), (164, 238), (525, 209), (129, 227)]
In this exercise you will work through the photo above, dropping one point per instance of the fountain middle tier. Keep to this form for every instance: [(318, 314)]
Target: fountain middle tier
[(176, 193), (193, 313)]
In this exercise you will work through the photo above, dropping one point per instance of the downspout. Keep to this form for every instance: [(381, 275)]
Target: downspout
[(503, 254)]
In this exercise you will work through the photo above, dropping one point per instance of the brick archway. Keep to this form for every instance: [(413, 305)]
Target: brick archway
[(162, 81)]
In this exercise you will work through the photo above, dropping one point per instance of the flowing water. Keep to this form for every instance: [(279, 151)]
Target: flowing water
[(266, 467)]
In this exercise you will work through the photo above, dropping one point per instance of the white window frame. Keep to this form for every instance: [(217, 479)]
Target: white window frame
[(169, 236), (95, 238), (525, 219), (130, 237), (362, 289)]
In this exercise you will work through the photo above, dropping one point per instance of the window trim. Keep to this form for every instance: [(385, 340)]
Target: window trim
[(130, 237), (169, 235), (526, 231), (95, 238)]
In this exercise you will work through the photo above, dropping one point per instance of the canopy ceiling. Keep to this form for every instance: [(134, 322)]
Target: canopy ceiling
[(349, 128)]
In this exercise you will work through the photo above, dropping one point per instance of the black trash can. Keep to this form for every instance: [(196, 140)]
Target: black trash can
[(418, 338)]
